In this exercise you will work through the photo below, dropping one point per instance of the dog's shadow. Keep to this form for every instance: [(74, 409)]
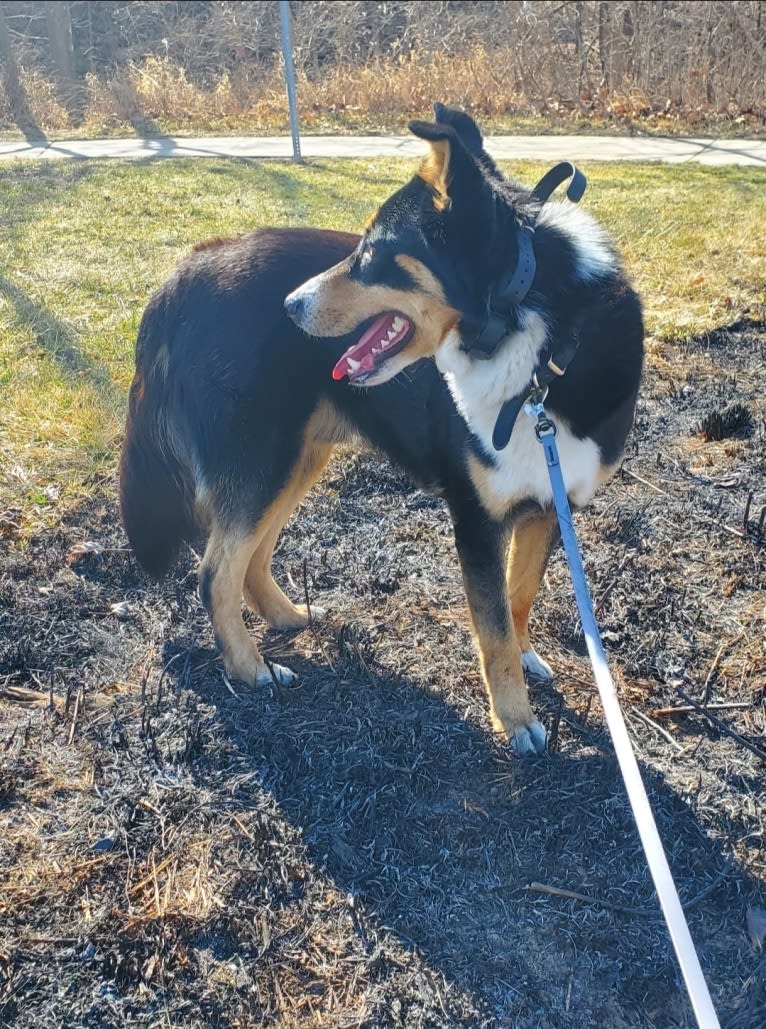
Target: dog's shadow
[(439, 833)]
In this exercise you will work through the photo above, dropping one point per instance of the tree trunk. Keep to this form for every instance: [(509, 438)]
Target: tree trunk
[(13, 87), (59, 24), (604, 41), (580, 48)]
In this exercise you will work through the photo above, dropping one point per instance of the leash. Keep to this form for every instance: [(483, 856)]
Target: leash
[(667, 893)]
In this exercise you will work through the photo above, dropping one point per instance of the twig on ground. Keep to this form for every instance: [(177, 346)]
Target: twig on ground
[(553, 739), (746, 1019), (312, 621), (151, 878), (576, 681), (163, 673), (746, 515), (306, 590), (720, 724), (74, 717), (628, 559), (685, 709), (147, 671), (556, 891), (230, 688), (711, 886), (711, 672), (700, 519), (658, 728)]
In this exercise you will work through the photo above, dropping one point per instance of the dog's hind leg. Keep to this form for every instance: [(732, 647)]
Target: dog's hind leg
[(221, 579), (261, 592), (532, 543), (481, 548)]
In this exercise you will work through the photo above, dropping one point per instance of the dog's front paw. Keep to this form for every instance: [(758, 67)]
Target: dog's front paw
[(529, 739), (521, 729), (535, 668), (274, 673)]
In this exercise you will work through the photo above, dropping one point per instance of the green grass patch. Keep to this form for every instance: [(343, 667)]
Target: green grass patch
[(83, 246)]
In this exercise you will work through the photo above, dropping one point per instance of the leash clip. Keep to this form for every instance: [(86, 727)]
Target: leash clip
[(545, 427), (535, 409)]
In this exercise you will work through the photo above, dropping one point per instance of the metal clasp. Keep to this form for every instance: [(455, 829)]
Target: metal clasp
[(544, 427), (535, 409)]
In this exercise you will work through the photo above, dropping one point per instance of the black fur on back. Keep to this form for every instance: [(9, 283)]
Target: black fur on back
[(225, 382)]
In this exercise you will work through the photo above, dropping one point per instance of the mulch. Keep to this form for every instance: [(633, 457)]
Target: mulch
[(359, 850)]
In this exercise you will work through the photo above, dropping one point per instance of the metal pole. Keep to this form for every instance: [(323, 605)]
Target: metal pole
[(287, 54)]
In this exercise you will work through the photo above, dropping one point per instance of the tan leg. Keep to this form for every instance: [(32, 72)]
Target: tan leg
[(500, 660), (481, 547), (531, 545), (261, 592), (222, 574), (237, 562)]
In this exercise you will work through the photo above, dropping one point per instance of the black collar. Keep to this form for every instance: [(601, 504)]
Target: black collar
[(507, 294), (506, 297)]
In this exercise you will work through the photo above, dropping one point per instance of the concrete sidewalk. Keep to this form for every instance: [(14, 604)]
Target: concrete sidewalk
[(544, 148)]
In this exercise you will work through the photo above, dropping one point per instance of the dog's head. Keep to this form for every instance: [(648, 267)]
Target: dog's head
[(426, 262)]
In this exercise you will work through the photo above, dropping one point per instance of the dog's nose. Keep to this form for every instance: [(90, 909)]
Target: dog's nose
[(294, 306)]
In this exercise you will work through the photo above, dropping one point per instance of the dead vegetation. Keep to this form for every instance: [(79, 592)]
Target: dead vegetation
[(358, 850), (157, 66)]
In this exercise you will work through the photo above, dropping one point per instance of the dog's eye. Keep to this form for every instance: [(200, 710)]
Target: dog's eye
[(365, 264)]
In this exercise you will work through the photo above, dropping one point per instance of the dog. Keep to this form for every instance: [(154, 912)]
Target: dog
[(256, 357)]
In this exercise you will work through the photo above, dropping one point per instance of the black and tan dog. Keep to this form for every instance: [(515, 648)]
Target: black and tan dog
[(235, 408)]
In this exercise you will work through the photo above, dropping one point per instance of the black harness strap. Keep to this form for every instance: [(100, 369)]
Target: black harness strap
[(549, 368), (559, 173)]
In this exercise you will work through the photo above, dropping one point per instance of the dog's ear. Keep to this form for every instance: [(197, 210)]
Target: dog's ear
[(464, 125), (435, 170), (449, 163)]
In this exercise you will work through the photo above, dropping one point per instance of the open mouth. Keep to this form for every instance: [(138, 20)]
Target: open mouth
[(387, 335)]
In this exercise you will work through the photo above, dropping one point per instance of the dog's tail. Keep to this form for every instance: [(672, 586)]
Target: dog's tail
[(156, 483)]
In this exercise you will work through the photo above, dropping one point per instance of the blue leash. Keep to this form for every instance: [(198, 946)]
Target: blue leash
[(670, 902)]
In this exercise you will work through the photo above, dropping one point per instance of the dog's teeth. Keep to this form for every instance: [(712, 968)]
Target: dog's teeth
[(353, 365), (392, 332), (377, 350), (397, 324)]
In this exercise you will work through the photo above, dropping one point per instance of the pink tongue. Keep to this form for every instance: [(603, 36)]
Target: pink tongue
[(362, 351)]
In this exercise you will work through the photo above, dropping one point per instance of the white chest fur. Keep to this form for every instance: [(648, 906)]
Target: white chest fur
[(480, 388)]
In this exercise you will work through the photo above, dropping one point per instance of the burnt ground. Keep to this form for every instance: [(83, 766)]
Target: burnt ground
[(359, 850)]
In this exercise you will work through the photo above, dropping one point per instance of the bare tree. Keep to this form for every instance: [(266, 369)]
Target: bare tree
[(12, 86)]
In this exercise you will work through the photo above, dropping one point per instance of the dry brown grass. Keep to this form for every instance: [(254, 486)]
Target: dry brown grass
[(386, 91), (157, 94)]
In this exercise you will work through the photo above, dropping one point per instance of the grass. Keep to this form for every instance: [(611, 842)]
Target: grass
[(84, 245)]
